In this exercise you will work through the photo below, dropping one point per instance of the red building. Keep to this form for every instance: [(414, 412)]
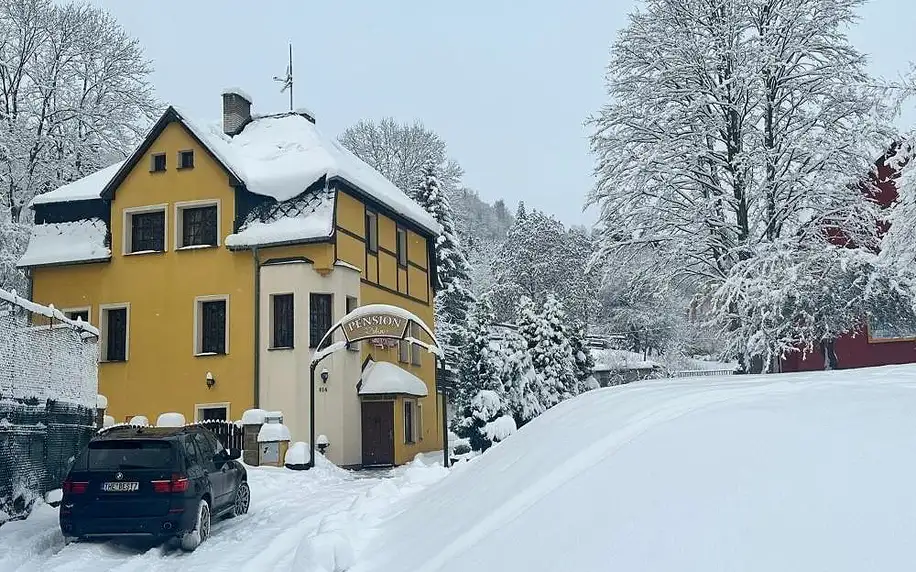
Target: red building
[(874, 344)]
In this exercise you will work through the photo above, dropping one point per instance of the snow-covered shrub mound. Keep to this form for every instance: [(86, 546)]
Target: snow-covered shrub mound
[(108, 421), (138, 420), (101, 402), (170, 420), (297, 454)]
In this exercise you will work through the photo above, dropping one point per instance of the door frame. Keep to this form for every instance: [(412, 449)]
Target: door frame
[(391, 403), (198, 407)]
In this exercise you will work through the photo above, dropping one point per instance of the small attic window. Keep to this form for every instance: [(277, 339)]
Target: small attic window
[(186, 159), (157, 163)]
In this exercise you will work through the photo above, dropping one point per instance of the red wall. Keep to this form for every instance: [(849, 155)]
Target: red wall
[(855, 352)]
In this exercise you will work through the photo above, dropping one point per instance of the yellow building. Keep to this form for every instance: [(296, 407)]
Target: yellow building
[(213, 261)]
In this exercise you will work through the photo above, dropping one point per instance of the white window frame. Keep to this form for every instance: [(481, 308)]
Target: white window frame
[(87, 309), (199, 406), (103, 330), (178, 156), (418, 422), (127, 227), (177, 212), (198, 340)]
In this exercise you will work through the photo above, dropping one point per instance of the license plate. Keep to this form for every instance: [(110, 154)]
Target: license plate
[(120, 487)]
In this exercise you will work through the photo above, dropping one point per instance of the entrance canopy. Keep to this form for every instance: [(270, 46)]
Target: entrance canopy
[(386, 378)]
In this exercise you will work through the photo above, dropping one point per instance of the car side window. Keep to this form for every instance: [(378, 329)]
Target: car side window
[(190, 451), (206, 448), (217, 446)]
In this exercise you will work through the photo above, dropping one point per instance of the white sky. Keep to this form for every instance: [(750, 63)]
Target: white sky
[(508, 84)]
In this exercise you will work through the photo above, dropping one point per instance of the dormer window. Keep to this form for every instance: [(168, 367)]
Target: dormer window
[(186, 159), (157, 163)]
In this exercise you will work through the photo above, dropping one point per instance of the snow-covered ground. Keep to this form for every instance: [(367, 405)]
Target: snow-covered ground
[(792, 472), (289, 509)]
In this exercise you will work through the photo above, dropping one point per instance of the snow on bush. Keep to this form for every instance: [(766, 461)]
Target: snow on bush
[(273, 432), (108, 421), (138, 420), (500, 429), (54, 496), (253, 417), (171, 420)]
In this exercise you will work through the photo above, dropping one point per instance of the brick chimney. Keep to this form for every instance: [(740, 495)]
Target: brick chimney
[(236, 110)]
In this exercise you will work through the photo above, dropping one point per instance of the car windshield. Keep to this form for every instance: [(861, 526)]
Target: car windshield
[(129, 455)]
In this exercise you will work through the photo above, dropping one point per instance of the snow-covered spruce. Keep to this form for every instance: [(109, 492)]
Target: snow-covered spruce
[(485, 421)]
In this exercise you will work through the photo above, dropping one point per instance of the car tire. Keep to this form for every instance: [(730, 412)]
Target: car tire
[(242, 500), (193, 538)]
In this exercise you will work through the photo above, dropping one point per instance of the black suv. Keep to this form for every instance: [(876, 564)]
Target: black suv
[(153, 481)]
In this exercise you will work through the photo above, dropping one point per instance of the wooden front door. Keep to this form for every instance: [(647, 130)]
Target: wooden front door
[(378, 433)]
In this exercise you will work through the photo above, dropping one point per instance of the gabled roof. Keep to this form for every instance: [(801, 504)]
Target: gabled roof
[(280, 156)]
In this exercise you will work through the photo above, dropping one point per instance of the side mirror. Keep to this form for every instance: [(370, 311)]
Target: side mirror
[(233, 454)]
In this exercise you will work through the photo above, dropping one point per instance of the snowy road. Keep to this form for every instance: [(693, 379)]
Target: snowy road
[(286, 507)]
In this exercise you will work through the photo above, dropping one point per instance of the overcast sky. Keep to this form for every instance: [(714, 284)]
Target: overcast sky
[(507, 84)]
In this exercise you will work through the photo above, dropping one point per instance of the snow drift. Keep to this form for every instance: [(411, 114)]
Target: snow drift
[(789, 472)]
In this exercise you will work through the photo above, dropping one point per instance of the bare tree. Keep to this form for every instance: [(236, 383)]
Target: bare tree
[(734, 125), (74, 97), (401, 152)]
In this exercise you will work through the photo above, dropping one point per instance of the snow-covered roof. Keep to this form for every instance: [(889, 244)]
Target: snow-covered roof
[(66, 242), (309, 217), (280, 156), (380, 377), (617, 360), (88, 188)]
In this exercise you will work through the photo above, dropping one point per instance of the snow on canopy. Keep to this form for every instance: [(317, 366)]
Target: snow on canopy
[(383, 377), (65, 242), (88, 188)]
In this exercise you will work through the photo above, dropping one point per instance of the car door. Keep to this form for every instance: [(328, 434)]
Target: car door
[(219, 474), (213, 473), (194, 465)]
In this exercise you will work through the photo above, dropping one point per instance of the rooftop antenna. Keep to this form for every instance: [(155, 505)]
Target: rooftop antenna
[(288, 80)]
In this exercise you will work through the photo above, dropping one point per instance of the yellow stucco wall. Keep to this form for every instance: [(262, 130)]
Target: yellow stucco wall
[(161, 373), (384, 283)]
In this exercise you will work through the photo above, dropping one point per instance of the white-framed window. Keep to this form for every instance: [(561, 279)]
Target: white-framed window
[(410, 421), (419, 421), (144, 229), (197, 224), (157, 163), (114, 325), (212, 411), (82, 313), (186, 159), (352, 304), (372, 231), (211, 325), (402, 247)]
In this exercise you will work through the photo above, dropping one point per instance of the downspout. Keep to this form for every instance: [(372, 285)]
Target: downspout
[(257, 327)]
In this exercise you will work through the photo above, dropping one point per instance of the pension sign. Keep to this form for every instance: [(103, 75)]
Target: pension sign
[(377, 325)]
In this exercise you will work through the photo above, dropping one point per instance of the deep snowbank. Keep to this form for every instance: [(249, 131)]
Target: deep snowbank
[(792, 472)]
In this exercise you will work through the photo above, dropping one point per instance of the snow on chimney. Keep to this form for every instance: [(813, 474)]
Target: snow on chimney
[(236, 110)]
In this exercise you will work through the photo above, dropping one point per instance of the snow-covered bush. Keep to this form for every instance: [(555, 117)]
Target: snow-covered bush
[(485, 421), (171, 420)]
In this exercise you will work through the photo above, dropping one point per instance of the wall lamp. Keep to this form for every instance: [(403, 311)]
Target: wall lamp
[(211, 381)]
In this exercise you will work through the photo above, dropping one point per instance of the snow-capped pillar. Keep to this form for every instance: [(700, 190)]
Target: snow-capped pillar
[(101, 405), (252, 420), (236, 110)]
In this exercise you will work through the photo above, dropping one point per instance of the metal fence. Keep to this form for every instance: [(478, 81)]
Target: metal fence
[(48, 387), (701, 373)]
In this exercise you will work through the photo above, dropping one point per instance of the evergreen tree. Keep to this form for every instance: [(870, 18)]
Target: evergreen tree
[(453, 295), (551, 353), (582, 357), (521, 384), (479, 366), (485, 421)]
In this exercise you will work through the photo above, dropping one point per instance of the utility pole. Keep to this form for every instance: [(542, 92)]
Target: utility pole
[(288, 80)]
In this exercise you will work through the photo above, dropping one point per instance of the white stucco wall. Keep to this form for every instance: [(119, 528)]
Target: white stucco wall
[(284, 374)]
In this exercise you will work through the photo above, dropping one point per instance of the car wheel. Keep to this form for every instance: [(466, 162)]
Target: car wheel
[(242, 500), (192, 539)]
